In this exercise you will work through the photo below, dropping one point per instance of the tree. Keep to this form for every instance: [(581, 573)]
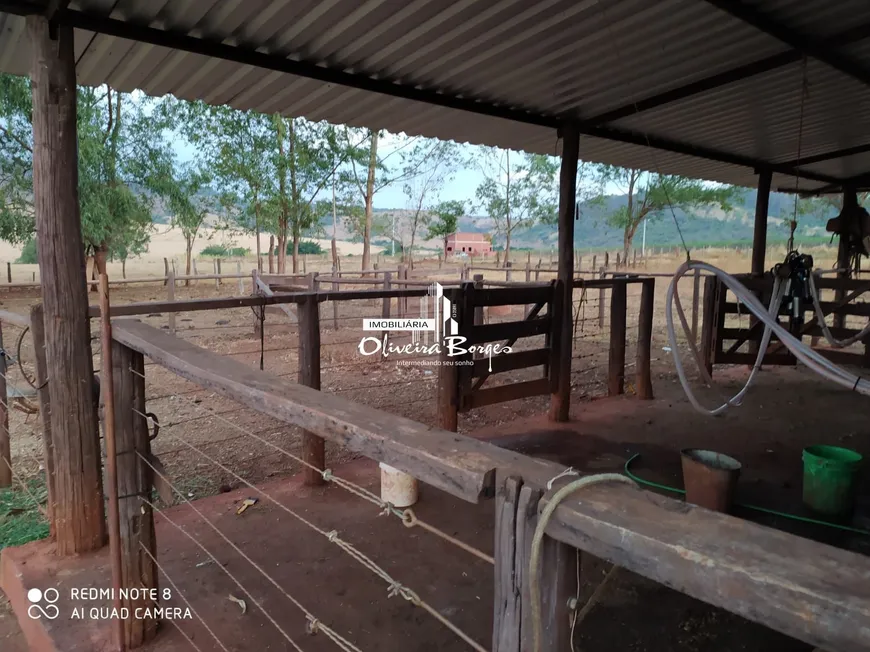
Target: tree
[(433, 163), (186, 191), (445, 218), (378, 175), (114, 160), (649, 195), (519, 195)]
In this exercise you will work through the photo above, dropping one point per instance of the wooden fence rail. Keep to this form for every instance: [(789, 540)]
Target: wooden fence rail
[(757, 572)]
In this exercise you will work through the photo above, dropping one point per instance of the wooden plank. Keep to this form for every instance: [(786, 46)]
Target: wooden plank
[(511, 392), (135, 479), (510, 361), (616, 355), (643, 364), (313, 447), (510, 329), (512, 296), (264, 289), (358, 295), (757, 572), (455, 464), (79, 507), (508, 572)]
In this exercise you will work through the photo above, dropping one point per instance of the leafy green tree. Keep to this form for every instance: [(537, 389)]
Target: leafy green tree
[(113, 169), (517, 195), (649, 196), (185, 189), (429, 166), (445, 218)]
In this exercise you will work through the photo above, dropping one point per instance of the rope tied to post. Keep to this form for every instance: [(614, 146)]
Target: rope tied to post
[(538, 539)]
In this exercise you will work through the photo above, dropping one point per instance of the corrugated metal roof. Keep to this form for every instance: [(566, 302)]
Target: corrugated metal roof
[(579, 58)]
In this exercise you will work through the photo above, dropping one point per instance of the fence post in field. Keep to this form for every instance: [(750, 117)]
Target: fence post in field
[(241, 280), (9, 272), (219, 272), (135, 479), (601, 299), (313, 447), (214, 267), (619, 261), (170, 296), (508, 271), (616, 361), (255, 275), (526, 307), (634, 259), (335, 288), (606, 259), (538, 270), (643, 362), (448, 373), (193, 262), (271, 254), (37, 332), (594, 262), (5, 445), (165, 269), (385, 310), (696, 293)]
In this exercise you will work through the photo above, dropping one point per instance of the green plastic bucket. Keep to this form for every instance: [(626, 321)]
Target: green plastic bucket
[(830, 478)]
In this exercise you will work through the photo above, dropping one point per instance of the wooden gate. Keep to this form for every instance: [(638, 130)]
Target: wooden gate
[(462, 377)]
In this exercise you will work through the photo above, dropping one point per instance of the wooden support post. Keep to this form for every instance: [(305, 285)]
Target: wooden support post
[(618, 260), (478, 310), (850, 203), (385, 309), (255, 275), (708, 323), (43, 394), (241, 280), (594, 262), (5, 444), (217, 281), (643, 362), (448, 375), (527, 307), (193, 261), (562, 343), (165, 270), (578, 263), (313, 447), (9, 272), (271, 254), (516, 518), (335, 288), (634, 259), (696, 299), (616, 361), (79, 522), (602, 299), (219, 272), (538, 270), (170, 296), (135, 479), (606, 259), (759, 234)]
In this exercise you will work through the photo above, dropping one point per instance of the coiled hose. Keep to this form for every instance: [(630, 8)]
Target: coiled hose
[(812, 359)]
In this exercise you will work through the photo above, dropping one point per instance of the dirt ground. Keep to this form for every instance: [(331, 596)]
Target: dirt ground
[(788, 410)]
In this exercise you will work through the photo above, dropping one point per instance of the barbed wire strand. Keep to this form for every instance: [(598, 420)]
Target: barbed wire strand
[(394, 587), (224, 569), (180, 594), (315, 624)]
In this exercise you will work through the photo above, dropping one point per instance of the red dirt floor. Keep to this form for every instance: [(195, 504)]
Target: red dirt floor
[(788, 410)]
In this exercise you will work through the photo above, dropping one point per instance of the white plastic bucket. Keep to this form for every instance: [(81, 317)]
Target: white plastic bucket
[(398, 488)]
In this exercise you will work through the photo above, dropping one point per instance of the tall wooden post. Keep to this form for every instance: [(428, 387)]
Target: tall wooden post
[(135, 479), (643, 368), (5, 444), (759, 235), (616, 360), (560, 399), (170, 296), (79, 523), (850, 202), (313, 447), (37, 333)]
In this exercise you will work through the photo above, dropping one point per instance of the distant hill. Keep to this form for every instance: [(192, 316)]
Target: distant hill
[(705, 227)]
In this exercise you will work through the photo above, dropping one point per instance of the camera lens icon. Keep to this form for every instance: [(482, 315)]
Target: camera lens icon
[(36, 610)]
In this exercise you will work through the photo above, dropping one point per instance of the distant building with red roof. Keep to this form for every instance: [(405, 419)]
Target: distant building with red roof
[(467, 243)]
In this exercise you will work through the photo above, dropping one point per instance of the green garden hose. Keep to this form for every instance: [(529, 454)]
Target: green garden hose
[(756, 508)]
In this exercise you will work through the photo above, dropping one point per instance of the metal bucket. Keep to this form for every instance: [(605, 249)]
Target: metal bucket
[(709, 478)]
